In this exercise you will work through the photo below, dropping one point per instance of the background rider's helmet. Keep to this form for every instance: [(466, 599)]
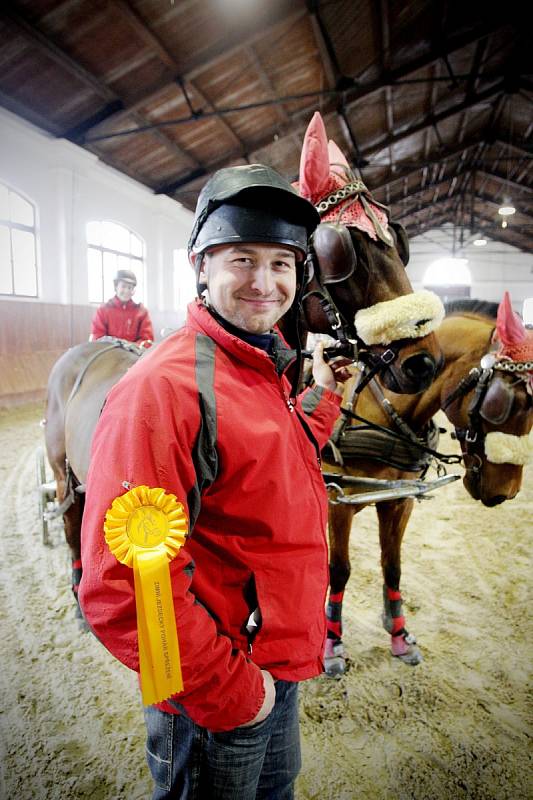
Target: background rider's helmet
[(252, 203), (125, 275)]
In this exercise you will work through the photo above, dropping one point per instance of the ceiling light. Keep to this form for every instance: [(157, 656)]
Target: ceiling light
[(480, 242), (504, 223), (507, 210)]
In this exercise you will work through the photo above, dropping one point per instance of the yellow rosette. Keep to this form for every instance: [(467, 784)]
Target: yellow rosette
[(144, 529)]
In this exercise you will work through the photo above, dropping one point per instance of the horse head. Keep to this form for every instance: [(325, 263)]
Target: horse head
[(492, 411), (358, 290)]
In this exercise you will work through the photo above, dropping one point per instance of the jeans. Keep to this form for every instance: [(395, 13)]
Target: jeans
[(257, 763)]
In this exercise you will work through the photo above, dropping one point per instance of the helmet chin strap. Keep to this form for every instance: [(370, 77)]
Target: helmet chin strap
[(200, 287)]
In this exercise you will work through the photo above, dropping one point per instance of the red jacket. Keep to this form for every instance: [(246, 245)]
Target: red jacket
[(205, 416), (129, 321)]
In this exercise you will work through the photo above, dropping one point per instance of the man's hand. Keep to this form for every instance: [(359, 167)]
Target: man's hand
[(332, 374), (268, 702)]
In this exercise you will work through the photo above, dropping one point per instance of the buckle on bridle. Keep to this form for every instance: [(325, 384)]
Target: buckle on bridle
[(471, 436), (388, 356)]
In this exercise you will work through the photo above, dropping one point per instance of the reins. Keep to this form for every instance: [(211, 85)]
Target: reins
[(412, 439)]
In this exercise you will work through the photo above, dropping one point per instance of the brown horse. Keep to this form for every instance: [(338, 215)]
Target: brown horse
[(76, 392), (355, 273), (488, 400), (360, 292)]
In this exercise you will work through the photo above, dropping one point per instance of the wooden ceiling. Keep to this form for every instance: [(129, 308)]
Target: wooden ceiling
[(430, 100)]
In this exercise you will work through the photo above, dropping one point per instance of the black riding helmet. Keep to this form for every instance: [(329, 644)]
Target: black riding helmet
[(251, 203)]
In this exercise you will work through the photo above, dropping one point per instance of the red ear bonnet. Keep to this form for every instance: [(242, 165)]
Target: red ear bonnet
[(324, 170), (516, 342), (314, 162), (337, 161)]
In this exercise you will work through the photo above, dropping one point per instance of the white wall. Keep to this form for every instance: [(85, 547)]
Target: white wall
[(70, 187), (494, 268)]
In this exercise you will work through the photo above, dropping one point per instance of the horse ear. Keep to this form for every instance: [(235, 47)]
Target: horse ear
[(509, 327), (337, 160), (314, 162)]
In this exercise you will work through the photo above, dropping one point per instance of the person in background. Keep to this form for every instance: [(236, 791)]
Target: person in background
[(120, 316), (211, 419)]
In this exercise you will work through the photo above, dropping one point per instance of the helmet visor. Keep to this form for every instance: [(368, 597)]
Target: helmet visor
[(230, 223)]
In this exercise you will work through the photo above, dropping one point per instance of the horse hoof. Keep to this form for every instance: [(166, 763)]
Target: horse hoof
[(412, 658), (334, 661), (334, 667), (405, 648), (411, 655)]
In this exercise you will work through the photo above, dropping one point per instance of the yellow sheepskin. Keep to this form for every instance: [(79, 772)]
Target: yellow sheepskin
[(504, 448), (400, 318)]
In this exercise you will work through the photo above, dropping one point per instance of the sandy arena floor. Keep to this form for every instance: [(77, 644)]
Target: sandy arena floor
[(456, 726)]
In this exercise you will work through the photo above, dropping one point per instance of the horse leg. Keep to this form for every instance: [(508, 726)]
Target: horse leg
[(72, 524), (340, 522), (393, 518), (72, 517)]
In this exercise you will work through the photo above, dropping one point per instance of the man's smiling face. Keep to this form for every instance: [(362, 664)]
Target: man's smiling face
[(250, 285)]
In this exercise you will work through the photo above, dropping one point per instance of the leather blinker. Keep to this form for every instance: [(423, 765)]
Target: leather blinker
[(334, 252), (497, 403)]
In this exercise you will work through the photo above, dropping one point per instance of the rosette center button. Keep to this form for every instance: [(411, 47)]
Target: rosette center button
[(147, 527)]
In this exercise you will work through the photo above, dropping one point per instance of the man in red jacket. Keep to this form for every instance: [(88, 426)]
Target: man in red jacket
[(120, 316), (210, 418)]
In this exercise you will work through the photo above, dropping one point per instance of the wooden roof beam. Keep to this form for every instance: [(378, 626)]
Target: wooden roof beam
[(433, 119), (62, 59), (189, 71), (153, 42), (453, 44)]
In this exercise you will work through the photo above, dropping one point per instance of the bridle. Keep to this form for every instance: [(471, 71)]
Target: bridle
[(348, 341), (484, 381)]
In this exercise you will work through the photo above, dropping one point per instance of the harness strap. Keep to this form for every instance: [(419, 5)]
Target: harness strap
[(393, 415), (445, 458), (462, 387)]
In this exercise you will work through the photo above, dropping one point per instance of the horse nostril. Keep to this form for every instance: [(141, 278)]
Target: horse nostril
[(419, 366)]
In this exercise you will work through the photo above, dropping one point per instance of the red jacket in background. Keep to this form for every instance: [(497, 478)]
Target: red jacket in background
[(129, 321), (205, 416)]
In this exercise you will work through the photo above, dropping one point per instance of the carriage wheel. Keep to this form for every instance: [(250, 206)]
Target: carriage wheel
[(41, 496)]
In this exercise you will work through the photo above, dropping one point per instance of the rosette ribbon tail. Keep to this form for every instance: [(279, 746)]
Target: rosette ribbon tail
[(159, 655), (145, 529)]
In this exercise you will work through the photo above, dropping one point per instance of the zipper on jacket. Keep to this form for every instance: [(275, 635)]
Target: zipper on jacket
[(287, 399)]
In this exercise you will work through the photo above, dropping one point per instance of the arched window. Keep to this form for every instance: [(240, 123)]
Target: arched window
[(449, 278), (18, 245), (184, 280), (110, 247), (527, 311)]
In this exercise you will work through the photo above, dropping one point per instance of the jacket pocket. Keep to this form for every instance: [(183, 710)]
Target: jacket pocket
[(254, 622)]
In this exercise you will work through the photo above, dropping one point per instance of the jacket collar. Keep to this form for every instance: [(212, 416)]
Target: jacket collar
[(201, 319)]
